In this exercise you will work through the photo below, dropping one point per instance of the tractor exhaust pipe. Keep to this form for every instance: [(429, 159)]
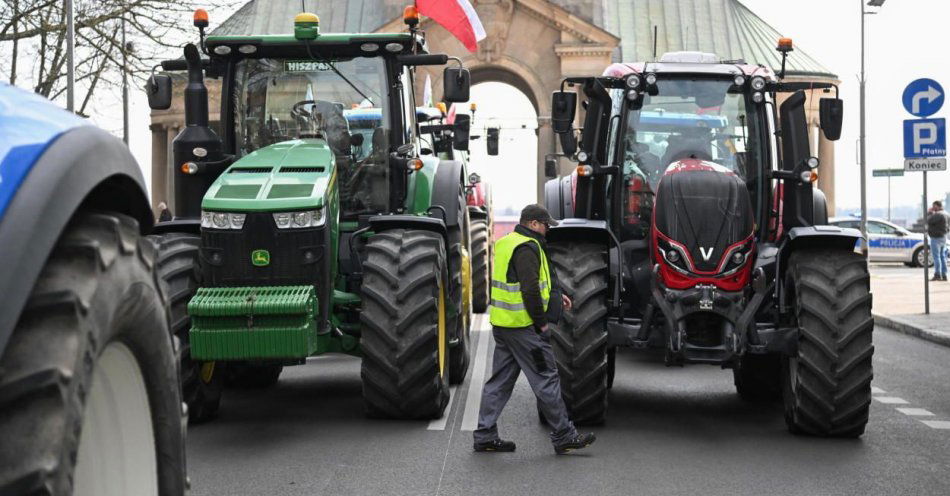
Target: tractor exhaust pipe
[(197, 150)]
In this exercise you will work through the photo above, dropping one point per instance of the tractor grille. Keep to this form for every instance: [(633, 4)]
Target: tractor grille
[(296, 256)]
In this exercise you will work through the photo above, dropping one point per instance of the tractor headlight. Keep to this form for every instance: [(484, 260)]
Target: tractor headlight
[(758, 83), (222, 220), (633, 81), (299, 220)]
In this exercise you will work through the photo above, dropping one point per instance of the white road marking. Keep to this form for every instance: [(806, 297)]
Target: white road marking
[(915, 412), (937, 424), (474, 399), (877, 390), (439, 423), (891, 400)]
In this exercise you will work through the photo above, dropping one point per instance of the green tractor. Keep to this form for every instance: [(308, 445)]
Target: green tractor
[(314, 223)]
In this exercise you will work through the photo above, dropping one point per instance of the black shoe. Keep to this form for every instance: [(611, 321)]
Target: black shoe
[(579, 441), (495, 445), (943, 278), (937, 278)]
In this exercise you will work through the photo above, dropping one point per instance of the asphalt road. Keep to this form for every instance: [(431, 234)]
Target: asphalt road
[(669, 431)]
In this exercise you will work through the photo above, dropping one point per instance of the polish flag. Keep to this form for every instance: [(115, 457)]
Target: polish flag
[(457, 17), (450, 119)]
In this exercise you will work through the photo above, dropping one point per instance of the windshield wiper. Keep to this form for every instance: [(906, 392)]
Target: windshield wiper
[(338, 73)]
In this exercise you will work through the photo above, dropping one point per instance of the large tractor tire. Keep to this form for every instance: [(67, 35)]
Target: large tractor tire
[(460, 290), (580, 338), (253, 375), (201, 382), (826, 386), (481, 265), (757, 378), (404, 326), (89, 397)]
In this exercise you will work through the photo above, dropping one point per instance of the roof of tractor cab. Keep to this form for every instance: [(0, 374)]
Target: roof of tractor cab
[(337, 44), (690, 63)]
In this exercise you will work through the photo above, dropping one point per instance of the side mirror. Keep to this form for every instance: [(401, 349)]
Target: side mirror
[(158, 88), (456, 83), (460, 132), (492, 141), (550, 168), (830, 116), (563, 107)]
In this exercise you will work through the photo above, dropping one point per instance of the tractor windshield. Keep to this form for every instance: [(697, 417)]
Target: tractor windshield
[(705, 119), (342, 102)]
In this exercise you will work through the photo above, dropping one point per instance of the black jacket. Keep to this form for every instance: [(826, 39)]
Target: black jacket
[(524, 268), (937, 224)]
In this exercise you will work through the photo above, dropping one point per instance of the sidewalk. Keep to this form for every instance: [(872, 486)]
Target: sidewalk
[(899, 303)]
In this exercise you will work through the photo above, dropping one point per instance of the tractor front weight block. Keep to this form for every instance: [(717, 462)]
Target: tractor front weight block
[(253, 323)]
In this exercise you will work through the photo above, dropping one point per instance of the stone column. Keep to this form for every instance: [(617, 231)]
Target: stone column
[(159, 186), (826, 170), (545, 146)]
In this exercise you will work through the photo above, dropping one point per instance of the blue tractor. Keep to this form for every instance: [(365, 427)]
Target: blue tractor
[(89, 395)]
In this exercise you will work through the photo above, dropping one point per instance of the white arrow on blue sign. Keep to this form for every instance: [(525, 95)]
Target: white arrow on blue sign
[(925, 138), (923, 97)]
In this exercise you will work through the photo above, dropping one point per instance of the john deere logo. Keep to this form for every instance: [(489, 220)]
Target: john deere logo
[(260, 258)]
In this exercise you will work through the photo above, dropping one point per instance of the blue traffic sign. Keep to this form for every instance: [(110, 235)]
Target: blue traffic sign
[(925, 138), (923, 97)]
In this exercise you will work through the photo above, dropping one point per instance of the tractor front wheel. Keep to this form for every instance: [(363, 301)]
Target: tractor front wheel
[(826, 386), (201, 382), (89, 397), (481, 263), (404, 339), (580, 337)]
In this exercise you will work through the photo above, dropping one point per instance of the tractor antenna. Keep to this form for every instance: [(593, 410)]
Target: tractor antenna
[(303, 5), (654, 42)]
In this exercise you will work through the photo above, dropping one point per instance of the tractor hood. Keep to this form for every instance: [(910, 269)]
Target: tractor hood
[(292, 175)]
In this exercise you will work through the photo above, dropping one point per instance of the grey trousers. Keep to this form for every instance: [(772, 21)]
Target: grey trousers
[(518, 350)]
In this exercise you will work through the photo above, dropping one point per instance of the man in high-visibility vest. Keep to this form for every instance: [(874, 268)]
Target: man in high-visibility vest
[(524, 298)]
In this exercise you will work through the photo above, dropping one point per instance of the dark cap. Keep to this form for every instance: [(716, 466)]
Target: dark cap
[(538, 213)]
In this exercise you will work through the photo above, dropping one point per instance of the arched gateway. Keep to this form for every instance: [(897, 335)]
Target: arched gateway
[(533, 44)]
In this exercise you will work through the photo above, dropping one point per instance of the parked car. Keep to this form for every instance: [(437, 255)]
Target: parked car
[(888, 242)]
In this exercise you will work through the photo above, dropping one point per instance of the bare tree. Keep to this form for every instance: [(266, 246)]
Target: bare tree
[(33, 41)]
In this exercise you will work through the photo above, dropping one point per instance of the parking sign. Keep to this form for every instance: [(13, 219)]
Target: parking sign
[(925, 138)]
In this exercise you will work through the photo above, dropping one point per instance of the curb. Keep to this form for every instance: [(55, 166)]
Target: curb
[(905, 327)]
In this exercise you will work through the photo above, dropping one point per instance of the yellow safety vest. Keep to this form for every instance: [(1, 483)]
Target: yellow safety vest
[(507, 307)]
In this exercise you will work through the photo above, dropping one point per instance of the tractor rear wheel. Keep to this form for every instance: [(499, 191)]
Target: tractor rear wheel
[(89, 397), (826, 386), (460, 291), (481, 266), (201, 382), (253, 375), (757, 377), (580, 337), (404, 326)]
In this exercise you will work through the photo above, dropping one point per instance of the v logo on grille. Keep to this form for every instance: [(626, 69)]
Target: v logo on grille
[(706, 255)]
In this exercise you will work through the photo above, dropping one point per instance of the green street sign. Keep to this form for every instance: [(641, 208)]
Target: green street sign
[(260, 258), (887, 172)]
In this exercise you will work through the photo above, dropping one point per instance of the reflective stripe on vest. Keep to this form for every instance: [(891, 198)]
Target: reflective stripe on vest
[(507, 306)]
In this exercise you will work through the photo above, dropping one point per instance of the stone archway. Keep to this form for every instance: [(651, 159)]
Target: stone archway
[(531, 45)]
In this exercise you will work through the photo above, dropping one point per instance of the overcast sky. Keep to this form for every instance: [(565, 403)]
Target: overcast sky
[(907, 39)]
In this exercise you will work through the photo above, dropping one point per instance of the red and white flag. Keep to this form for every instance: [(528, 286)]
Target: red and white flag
[(450, 119), (457, 17)]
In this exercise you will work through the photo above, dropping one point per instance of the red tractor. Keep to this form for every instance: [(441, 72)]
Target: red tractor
[(692, 224)]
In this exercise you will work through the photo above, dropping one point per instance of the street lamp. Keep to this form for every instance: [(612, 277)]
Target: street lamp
[(862, 138)]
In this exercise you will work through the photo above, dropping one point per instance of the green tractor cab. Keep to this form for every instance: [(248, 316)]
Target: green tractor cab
[(314, 223)]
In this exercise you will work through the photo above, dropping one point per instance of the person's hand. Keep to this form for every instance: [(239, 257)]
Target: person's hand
[(544, 328), (566, 301)]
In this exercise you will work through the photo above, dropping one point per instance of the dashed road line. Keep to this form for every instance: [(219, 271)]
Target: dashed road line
[(916, 412), (937, 424), (891, 400), (474, 399)]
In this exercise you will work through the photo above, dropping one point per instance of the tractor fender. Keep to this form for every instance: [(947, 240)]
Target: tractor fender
[(811, 237), (597, 231), (380, 223), (445, 190), (82, 167)]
